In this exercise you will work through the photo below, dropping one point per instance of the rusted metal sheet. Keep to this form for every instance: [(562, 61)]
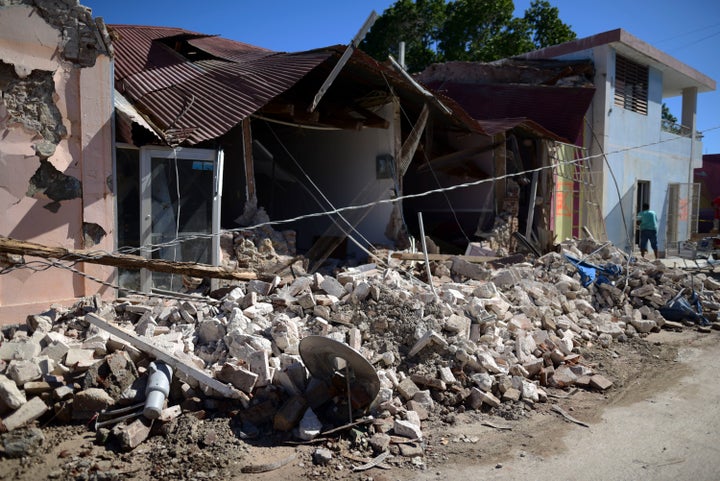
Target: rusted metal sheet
[(204, 85)]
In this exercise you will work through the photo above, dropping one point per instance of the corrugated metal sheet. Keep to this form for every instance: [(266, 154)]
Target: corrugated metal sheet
[(209, 96), (205, 85)]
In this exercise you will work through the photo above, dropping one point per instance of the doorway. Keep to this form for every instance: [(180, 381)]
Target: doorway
[(642, 196), (176, 211)]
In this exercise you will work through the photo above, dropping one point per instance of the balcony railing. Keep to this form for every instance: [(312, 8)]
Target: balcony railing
[(678, 129)]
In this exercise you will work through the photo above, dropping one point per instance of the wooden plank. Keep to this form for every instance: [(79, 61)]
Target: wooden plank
[(418, 256), (164, 356), (343, 59), (411, 143), (127, 261)]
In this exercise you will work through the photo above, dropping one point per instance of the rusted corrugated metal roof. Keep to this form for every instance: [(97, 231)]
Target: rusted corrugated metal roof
[(157, 70), (204, 85)]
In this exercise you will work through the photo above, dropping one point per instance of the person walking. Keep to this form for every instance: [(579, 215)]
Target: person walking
[(648, 230)]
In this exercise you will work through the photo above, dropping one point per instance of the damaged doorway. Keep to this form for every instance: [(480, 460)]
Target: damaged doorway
[(177, 210)]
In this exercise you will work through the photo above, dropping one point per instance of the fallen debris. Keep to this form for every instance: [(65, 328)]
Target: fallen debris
[(366, 353)]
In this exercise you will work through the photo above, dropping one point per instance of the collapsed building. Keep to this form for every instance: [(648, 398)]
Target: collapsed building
[(216, 141)]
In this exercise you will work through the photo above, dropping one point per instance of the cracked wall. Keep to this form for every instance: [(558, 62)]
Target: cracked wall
[(55, 145)]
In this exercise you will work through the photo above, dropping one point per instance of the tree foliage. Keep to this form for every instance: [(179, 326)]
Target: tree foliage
[(469, 30)]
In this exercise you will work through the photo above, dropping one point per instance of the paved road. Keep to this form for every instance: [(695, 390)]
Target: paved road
[(672, 435)]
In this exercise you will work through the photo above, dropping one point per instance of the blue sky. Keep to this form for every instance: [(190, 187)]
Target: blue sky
[(687, 30)]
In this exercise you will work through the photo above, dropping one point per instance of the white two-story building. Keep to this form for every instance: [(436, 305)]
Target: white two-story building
[(635, 156)]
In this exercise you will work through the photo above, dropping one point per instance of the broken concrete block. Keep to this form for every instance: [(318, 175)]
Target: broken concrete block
[(425, 399), (446, 375), (36, 388), (380, 442), (562, 377), (477, 398), (483, 380), (90, 401), (132, 435), (511, 394), (361, 291), (39, 323), (407, 429), (600, 382), (643, 325), (285, 334), (80, 359), (210, 330), (10, 394), (332, 287), (429, 381), (459, 325), (529, 391), (258, 363), (258, 309), (322, 456), (430, 337), (262, 288), (505, 278), (355, 338), (238, 377), (27, 413), (23, 371), (307, 301), (19, 350), (63, 393), (407, 388)]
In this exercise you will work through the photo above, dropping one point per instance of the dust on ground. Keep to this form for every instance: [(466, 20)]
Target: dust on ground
[(197, 447)]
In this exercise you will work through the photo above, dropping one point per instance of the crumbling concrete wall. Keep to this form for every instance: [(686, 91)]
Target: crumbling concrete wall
[(55, 146)]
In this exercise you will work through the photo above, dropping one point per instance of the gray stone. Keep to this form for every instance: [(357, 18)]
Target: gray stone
[(90, 401), (322, 456), (407, 389), (23, 371), (332, 287), (478, 398), (10, 394), (27, 413), (20, 350), (408, 429), (21, 444)]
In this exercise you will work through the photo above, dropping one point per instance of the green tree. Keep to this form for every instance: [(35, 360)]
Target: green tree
[(469, 30)]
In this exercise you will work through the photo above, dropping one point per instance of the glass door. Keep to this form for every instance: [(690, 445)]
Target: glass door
[(180, 191)]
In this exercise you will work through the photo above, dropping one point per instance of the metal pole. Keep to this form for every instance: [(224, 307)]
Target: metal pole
[(424, 247)]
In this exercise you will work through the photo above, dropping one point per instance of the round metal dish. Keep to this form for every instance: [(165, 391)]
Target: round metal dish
[(324, 357)]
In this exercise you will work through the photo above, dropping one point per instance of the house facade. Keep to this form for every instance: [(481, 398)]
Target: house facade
[(55, 152), (634, 156)]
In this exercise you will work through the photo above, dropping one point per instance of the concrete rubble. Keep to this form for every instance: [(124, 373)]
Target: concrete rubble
[(492, 338)]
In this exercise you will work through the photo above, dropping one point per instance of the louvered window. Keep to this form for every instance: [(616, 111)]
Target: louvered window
[(631, 85)]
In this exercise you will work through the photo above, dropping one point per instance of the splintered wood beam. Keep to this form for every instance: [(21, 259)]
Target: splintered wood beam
[(189, 370), (411, 143), (343, 59), (126, 261), (419, 256)]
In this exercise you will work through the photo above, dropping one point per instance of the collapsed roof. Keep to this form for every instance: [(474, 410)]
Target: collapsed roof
[(194, 87), (553, 94)]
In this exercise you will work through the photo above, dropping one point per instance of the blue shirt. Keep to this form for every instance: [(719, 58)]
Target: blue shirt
[(648, 220)]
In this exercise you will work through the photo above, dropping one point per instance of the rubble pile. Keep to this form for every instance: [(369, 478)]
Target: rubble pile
[(482, 339)]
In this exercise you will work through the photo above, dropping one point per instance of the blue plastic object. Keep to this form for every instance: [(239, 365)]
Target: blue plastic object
[(590, 273)]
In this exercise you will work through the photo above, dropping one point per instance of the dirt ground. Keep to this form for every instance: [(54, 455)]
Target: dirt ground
[(214, 447)]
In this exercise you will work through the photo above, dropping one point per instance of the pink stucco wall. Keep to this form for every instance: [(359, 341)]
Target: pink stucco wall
[(83, 96)]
